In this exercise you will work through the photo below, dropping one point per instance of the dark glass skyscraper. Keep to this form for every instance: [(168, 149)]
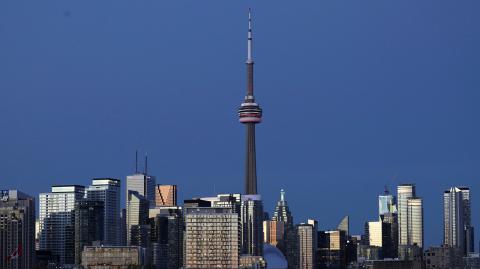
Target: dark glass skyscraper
[(250, 114), (89, 228)]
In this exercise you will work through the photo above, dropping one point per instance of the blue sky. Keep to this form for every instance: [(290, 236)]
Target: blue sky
[(356, 95)]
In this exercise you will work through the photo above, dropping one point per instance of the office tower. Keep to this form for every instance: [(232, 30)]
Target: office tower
[(212, 238), (57, 221), (469, 231), (289, 248), (415, 221), (107, 190), (143, 184), (250, 114), (252, 228), (166, 195), (89, 227), (404, 192), (137, 217), (307, 245), (17, 230), (380, 235), (391, 220), (410, 223), (458, 231), (273, 232), (167, 238), (386, 203), (344, 225), (331, 249)]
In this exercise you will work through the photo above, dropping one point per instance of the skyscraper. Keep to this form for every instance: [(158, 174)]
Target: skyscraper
[(167, 238), (404, 192), (415, 221), (212, 238), (165, 195), (307, 245), (386, 203), (250, 114), (289, 247), (457, 219), (57, 221), (252, 228), (143, 184), (89, 228), (137, 218), (107, 190), (17, 230)]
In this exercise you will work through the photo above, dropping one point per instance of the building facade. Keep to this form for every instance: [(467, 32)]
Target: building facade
[(165, 195), (57, 221), (307, 246), (143, 184), (252, 225), (17, 230), (458, 230), (137, 218), (113, 257), (107, 190), (212, 238), (89, 228)]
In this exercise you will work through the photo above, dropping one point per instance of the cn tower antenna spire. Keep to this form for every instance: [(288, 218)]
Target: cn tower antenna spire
[(250, 37)]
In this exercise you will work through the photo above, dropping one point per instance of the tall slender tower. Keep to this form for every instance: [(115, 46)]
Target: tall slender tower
[(250, 114)]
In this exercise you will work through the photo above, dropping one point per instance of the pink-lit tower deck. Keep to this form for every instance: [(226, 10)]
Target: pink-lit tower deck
[(250, 114)]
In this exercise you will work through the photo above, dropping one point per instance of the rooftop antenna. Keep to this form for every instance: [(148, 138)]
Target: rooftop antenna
[(146, 163), (136, 161)]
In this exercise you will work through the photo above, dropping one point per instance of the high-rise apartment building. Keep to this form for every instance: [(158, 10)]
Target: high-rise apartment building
[(137, 218), (415, 221), (57, 221), (89, 228), (458, 231), (17, 230), (404, 192), (212, 238), (107, 190), (410, 218), (307, 245), (165, 195)]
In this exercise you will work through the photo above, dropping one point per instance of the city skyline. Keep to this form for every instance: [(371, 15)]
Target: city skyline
[(289, 159)]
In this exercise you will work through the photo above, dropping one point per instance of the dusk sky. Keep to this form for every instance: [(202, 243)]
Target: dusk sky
[(356, 95)]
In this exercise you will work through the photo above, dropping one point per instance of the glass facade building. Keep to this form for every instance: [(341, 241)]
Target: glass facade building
[(89, 228), (166, 195), (458, 231), (404, 193), (57, 221), (107, 190)]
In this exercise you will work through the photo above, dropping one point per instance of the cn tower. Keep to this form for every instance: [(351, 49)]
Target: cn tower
[(250, 114)]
